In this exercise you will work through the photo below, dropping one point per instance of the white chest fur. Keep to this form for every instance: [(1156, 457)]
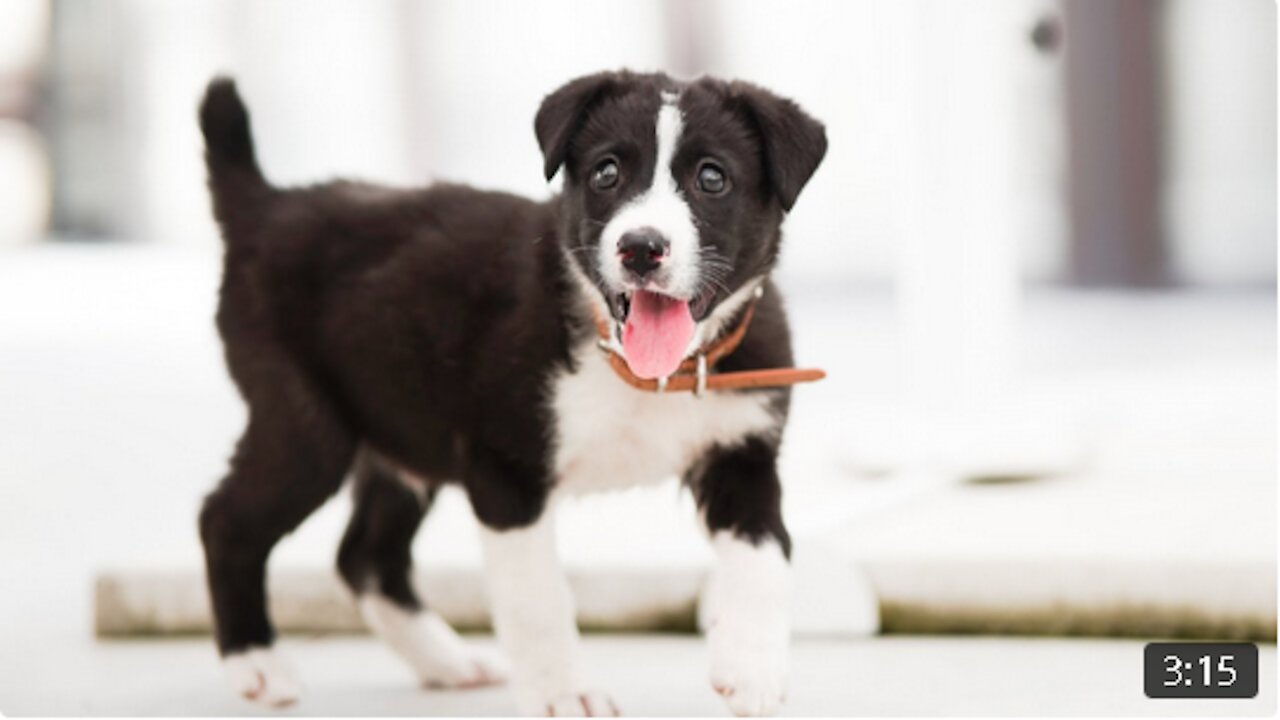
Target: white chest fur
[(611, 436)]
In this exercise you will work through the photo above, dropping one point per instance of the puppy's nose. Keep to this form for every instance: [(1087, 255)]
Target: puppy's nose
[(642, 251)]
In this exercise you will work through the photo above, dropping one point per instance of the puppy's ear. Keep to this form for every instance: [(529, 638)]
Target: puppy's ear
[(793, 142), (563, 113)]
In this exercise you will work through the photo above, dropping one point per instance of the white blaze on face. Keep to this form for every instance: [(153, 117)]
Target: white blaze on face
[(662, 207)]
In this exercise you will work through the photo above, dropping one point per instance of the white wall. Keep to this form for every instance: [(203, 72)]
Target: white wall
[(404, 92), (862, 68), (386, 91), (321, 78), (1220, 140), (484, 67), (24, 163)]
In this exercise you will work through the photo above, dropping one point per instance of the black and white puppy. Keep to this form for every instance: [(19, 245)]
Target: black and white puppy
[(445, 334)]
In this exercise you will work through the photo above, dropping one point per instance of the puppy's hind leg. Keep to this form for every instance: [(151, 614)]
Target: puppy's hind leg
[(292, 457), (375, 561)]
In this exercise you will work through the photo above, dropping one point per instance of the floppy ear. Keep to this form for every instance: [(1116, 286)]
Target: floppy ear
[(793, 142), (563, 112)]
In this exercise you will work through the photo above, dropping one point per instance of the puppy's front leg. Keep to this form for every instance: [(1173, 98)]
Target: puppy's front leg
[(533, 615), (746, 606)]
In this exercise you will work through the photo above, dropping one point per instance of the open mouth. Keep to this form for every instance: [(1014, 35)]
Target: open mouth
[(699, 306), (657, 329)]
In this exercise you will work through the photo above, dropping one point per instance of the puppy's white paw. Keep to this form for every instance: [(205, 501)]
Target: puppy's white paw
[(752, 678), (464, 668), (582, 704), (261, 675), (437, 654)]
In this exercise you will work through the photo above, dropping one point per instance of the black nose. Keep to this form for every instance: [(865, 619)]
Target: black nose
[(642, 251)]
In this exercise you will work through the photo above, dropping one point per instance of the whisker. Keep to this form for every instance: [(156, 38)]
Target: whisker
[(717, 268), (704, 280)]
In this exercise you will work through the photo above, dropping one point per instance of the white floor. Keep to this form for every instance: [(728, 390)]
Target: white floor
[(647, 675)]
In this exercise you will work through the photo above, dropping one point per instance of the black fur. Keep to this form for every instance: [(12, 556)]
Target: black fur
[(737, 489), (376, 550), (418, 329), (794, 143)]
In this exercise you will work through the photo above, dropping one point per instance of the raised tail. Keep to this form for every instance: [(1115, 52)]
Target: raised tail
[(235, 180)]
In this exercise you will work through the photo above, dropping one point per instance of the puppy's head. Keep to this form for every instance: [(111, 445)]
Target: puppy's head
[(673, 198)]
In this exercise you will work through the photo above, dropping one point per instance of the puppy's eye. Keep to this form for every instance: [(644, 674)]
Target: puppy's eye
[(711, 179), (605, 175)]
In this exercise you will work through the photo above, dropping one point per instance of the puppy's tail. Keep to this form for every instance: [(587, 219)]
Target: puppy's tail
[(235, 180)]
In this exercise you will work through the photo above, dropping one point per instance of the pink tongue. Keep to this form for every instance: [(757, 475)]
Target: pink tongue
[(657, 332)]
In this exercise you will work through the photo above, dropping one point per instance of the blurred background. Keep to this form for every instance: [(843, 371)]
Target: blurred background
[(1038, 263)]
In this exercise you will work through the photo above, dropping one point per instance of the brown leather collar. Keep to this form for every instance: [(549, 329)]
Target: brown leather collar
[(695, 373)]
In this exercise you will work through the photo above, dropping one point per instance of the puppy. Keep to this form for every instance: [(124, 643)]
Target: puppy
[(526, 351)]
